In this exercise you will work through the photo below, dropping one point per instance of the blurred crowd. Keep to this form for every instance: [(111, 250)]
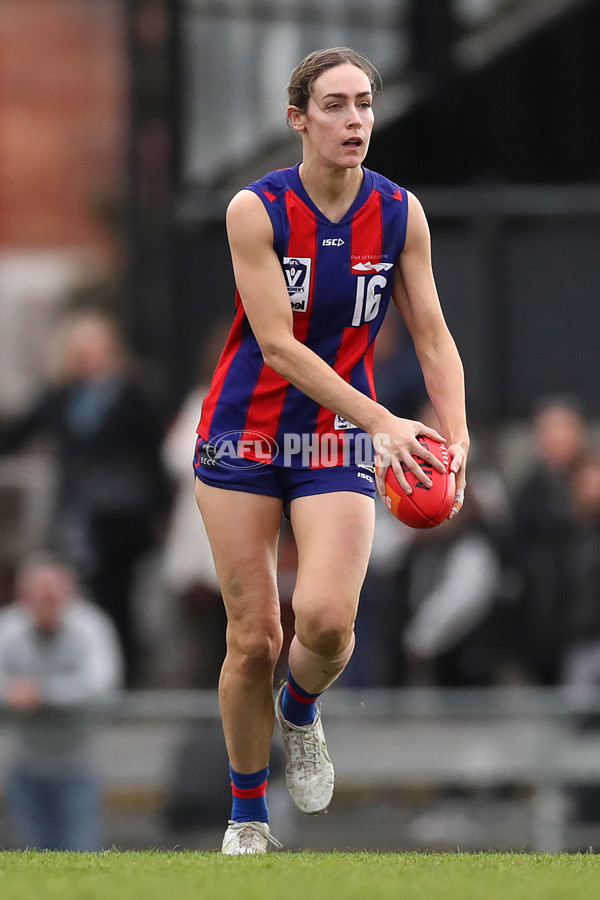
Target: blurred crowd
[(122, 591), (505, 594)]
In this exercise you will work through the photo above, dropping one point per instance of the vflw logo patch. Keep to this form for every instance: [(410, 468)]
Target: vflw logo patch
[(341, 424), (297, 275)]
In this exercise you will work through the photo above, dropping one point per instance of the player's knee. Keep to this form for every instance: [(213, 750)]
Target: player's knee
[(325, 634), (256, 650)]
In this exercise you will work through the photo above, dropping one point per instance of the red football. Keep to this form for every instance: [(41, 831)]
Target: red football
[(425, 507)]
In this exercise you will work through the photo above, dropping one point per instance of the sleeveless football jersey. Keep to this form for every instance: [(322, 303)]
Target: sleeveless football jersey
[(339, 278)]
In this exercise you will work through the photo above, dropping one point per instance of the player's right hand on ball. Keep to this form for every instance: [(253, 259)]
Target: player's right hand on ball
[(398, 446)]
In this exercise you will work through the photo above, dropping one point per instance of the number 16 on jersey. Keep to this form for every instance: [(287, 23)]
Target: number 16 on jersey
[(368, 298)]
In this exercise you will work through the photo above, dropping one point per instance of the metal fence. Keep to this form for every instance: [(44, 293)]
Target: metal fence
[(388, 747)]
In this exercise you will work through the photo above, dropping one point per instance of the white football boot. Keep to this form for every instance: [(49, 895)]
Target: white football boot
[(248, 837), (309, 771)]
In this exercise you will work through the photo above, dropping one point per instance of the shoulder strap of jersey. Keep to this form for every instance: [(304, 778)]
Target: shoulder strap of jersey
[(272, 189)]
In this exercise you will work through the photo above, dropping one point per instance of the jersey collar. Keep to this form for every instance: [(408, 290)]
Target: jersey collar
[(295, 183)]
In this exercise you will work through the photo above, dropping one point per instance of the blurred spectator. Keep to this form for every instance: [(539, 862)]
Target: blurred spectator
[(452, 582), (436, 604), (59, 655), (581, 663), (188, 572), (581, 669), (543, 524), (198, 643), (110, 483)]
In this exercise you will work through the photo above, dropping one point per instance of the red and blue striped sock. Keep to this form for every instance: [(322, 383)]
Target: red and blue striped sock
[(249, 796), (297, 705)]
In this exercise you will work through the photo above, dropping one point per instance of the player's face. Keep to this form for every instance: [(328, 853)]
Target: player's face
[(338, 122)]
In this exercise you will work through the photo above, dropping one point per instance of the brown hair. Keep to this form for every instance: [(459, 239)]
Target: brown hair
[(306, 73)]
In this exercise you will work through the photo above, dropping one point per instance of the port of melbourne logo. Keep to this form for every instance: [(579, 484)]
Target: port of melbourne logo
[(297, 276)]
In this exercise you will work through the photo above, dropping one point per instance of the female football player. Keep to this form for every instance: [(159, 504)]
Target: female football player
[(318, 250)]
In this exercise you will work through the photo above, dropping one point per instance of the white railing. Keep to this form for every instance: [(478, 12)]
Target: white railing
[(395, 738)]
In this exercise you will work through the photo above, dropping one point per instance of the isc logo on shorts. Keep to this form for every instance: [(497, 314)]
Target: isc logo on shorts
[(297, 275), (208, 455)]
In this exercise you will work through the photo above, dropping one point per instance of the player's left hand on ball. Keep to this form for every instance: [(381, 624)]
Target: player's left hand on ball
[(458, 454)]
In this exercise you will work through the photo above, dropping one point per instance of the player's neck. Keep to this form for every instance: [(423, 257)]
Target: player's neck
[(333, 190)]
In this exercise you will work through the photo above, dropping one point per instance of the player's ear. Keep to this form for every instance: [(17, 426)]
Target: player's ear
[(296, 118)]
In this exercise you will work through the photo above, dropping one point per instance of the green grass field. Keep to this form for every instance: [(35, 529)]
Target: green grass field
[(298, 876)]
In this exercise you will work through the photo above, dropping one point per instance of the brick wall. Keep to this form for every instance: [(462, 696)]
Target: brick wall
[(63, 113)]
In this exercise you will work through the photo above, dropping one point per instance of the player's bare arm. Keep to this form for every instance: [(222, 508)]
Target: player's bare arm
[(416, 297), (262, 287)]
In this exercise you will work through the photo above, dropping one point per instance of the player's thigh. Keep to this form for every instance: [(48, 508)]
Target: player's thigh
[(243, 530), (334, 533)]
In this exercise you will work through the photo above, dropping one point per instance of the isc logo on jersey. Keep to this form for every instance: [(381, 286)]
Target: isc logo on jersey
[(297, 275)]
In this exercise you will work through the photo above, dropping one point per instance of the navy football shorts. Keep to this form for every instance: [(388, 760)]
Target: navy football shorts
[(284, 482)]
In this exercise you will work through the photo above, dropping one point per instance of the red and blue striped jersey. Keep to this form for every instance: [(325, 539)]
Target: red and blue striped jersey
[(339, 278)]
